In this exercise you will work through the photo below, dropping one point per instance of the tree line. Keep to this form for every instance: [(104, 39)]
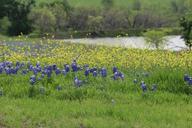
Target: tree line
[(59, 17)]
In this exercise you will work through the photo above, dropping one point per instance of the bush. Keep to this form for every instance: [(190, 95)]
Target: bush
[(155, 38)]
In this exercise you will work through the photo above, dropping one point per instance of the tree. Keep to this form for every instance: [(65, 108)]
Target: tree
[(60, 16), (17, 12), (186, 24), (155, 38), (107, 4), (43, 20), (137, 5), (4, 25), (95, 23)]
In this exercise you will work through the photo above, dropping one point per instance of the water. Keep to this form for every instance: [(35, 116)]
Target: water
[(174, 43)]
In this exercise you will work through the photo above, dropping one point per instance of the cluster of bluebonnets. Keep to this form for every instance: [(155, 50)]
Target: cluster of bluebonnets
[(188, 79), (40, 72)]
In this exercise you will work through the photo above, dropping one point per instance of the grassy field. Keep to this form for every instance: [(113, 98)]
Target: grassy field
[(160, 110), (97, 101)]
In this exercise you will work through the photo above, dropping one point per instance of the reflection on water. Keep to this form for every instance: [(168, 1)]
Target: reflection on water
[(174, 43)]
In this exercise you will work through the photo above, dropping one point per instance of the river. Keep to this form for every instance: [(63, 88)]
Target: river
[(174, 43)]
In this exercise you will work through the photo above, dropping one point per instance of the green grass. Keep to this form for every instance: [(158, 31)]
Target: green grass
[(160, 110), (100, 103)]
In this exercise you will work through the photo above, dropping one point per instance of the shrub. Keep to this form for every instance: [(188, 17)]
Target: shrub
[(155, 38)]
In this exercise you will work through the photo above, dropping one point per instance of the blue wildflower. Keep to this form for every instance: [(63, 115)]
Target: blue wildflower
[(54, 66), (57, 71), (103, 72), (186, 77), (77, 82), (74, 66), (115, 69), (116, 76), (86, 73), (143, 86), (95, 74), (190, 81), (67, 68), (64, 72), (32, 79)]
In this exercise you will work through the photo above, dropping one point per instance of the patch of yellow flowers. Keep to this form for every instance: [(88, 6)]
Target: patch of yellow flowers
[(59, 52)]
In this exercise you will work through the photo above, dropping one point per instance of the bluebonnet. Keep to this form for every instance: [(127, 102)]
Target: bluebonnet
[(77, 82), (95, 74), (118, 75), (121, 75), (74, 66), (30, 67), (143, 86), (103, 72), (1, 70), (54, 66), (7, 70), (49, 73), (57, 71), (64, 72), (186, 77), (115, 69), (38, 64), (67, 68), (38, 69), (86, 73), (93, 69), (35, 72), (190, 81), (17, 63), (32, 79)]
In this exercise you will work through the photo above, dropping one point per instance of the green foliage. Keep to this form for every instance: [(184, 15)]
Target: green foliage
[(17, 13), (4, 25), (43, 20), (137, 5), (95, 23), (155, 38), (186, 24), (107, 4)]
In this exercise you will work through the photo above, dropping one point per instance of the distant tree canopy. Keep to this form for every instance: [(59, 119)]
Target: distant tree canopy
[(109, 18), (107, 3), (186, 24), (17, 13)]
